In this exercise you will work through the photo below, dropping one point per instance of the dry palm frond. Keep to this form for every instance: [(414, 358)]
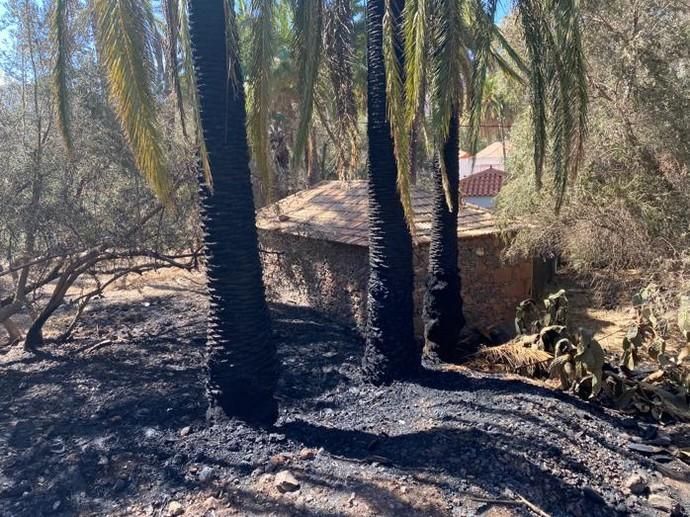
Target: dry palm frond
[(259, 92), (61, 70), (514, 358), (124, 35), (191, 82), (308, 24), (395, 106)]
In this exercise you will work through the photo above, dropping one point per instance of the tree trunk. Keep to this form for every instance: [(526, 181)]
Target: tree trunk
[(391, 351), (242, 361), (443, 318)]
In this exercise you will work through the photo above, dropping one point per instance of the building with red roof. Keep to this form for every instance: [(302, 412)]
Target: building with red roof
[(481, 188)]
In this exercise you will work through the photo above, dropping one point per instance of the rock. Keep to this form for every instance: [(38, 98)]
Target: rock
[(175, 508), (278, 460), (306, 454), (210, 503), (150, 433), (636, 484), (206, 474), (286, 482), (276, 437), (185, 431), (644, 448), (661, 502)]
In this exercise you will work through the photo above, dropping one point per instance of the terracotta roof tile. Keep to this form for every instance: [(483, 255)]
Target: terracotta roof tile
[(338, 211), (486, 183)]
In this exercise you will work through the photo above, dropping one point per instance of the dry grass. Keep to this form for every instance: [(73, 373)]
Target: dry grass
[(513, 357)]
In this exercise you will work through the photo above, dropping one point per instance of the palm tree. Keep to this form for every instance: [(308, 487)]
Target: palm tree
[(391, 351), (242, 363), (443, 316), (464, 42)]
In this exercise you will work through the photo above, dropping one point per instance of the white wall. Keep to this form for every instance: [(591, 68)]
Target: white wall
[(482, 201)]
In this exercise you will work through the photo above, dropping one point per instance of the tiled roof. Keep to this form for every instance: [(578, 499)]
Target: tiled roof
[(338, 211), (486, 183), (494, 150)]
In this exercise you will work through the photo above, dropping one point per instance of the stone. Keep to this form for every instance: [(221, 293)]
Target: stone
[(175, 508), (206, 474), (286, 482), (306, 454), (661, 502), (636, 484), (185, 431)]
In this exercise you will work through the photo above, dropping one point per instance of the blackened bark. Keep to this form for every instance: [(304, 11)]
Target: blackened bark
[(443, 317), (242, 362), (391, 351)]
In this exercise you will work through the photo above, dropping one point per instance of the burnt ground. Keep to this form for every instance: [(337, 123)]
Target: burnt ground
[(113, 423)]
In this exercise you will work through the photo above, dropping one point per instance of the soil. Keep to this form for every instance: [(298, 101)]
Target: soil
[(113, 423)]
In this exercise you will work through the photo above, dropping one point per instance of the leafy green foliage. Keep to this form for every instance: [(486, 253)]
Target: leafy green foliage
[(629, 203)]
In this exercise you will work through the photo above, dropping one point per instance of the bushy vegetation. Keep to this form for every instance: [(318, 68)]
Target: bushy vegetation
[(630, 203)]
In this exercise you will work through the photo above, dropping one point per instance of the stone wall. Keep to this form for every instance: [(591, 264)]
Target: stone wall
[(328, 276), (332, 277)]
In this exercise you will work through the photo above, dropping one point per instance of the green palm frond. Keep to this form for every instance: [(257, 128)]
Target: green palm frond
[(172, 18), (123, 37), (532, 19), (415, 37), (449, 66), (515, 59), (308, 29), (558, 80), (259, 73), (484, 27), (395, 105), (61, 70), (339, 51)]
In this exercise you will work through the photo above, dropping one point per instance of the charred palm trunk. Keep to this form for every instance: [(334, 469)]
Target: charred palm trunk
[(391, 351), (242, 363), (443, 318)]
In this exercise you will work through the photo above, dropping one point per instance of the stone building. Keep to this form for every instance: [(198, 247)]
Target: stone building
[(315, 253)]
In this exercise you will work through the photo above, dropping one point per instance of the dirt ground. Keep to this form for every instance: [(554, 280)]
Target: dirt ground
[(112, 423)]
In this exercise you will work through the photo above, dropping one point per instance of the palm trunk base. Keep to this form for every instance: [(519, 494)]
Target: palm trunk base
[(246, 401), (441, 326), (391, 352)]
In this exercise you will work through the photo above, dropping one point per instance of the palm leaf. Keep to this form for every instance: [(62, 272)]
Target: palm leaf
[(172, 18), (123, 38), (259, 92), (339, 50), (531, 16), (395, 105), (484, 23), (308, 28)]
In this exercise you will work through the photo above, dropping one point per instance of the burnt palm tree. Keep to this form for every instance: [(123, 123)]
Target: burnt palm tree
[(443, 315), (242, 360), (391, 351), (464, 42), (242, 363)]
